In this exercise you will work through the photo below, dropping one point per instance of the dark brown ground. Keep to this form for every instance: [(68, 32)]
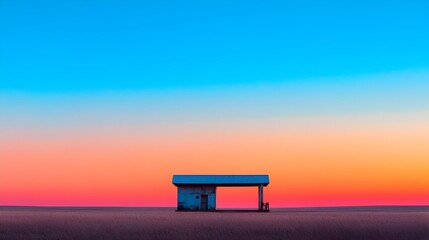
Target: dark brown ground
[(409, 223)]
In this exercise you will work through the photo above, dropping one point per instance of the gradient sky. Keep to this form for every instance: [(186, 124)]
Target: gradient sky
[(102, 101)]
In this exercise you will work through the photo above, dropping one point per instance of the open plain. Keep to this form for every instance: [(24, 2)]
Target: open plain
[(165, 223)]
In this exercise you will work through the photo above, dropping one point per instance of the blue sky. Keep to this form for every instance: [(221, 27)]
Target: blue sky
[(116, 94), (81, 46)]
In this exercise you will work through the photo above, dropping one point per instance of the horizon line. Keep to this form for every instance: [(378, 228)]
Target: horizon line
[(282, 207)]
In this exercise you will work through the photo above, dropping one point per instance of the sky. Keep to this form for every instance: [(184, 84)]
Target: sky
[(101, 102)]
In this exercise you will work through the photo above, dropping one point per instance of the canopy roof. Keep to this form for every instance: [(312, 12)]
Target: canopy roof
[(221, 180)]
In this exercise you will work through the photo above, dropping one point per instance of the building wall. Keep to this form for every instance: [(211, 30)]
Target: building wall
[(189, 197)]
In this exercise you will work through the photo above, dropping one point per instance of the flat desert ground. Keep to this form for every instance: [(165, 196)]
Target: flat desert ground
[(409, 223)]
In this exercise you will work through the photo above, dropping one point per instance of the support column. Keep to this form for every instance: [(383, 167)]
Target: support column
[(260, 197), (215, 198)]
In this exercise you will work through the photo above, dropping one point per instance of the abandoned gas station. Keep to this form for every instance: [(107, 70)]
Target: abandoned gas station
[(198, 192)]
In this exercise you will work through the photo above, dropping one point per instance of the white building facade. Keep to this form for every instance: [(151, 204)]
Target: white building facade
[(197, 198)]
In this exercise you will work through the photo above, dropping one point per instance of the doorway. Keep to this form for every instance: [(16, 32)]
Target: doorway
[(204, 201)]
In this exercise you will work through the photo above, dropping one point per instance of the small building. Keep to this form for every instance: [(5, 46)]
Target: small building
[(198, 192)]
